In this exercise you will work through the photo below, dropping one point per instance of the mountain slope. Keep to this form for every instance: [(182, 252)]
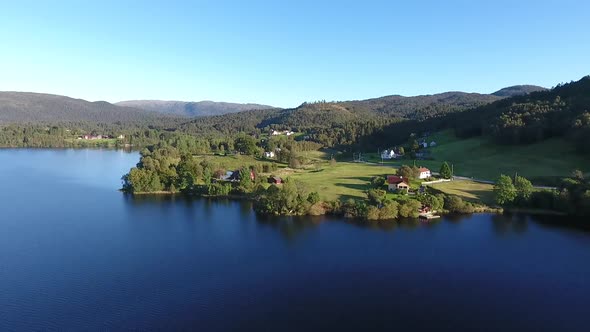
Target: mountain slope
[(330, 114), (191, 109), (518, 90), (20, 107)]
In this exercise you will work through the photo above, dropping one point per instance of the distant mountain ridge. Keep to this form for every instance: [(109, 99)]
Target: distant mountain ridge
[(21, 107), (518, 90), (191, 109)]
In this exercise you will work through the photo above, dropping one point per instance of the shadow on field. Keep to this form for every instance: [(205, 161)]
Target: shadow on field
[(356, 186), (480, 196)]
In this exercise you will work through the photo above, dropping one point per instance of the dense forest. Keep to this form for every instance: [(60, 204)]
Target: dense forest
[(560, 112)]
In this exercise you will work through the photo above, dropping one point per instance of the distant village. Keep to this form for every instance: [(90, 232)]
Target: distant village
[(96, 137)]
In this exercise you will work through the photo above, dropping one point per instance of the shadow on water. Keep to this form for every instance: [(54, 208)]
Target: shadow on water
[(290, 227), (562, 222), (509, 224)]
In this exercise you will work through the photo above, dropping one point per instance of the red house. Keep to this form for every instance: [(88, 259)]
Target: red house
[(395, 182)]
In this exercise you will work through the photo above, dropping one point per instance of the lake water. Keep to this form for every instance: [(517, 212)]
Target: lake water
[(76, 254)]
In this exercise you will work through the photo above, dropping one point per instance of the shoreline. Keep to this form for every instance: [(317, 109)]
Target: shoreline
[(484, 210)]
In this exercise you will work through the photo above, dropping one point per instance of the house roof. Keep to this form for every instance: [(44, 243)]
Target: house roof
[(394, 179), (424, 169)]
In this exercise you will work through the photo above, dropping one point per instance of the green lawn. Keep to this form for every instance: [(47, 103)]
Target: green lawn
[(342, 181), (542, 162), (468, 190)]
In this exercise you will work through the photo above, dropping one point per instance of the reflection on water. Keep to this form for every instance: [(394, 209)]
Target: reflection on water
[(291, 227)]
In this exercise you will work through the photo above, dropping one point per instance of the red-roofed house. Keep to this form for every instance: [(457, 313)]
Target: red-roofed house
[(395, 182), (424, 173)]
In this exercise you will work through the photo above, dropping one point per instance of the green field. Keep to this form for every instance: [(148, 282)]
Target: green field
[(542, 162), (342, 181), (468, 190)]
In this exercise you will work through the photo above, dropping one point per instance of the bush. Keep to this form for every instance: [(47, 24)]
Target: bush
[(317, 209), (376, 196), (373, 213), (313, 197), (389, 211), (410, 209), (457, 205), (377, 182)]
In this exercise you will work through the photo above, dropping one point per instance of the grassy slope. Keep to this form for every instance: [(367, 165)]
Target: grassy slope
[(478, 158)]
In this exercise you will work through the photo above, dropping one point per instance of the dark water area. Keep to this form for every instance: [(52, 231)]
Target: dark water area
[(77, 255)]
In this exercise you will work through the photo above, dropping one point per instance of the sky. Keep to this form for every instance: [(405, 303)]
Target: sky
[(283, 53)]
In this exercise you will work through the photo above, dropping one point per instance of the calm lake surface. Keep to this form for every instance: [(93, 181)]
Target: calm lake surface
[(76, 254)]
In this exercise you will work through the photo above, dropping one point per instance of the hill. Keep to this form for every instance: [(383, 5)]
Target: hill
[(318, 116), (191, 109), (518, 90), (21, 107), (559, 112)]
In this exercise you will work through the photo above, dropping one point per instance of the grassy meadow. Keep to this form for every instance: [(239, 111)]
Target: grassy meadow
[(542, 162), (468, 190), (341, 181)]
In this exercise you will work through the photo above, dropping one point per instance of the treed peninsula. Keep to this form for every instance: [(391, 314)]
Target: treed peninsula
[(520, 148)]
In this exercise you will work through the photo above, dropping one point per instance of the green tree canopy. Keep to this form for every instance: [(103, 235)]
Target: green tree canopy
[(245, 144), (445, 171), (504, 190), (524, 188)]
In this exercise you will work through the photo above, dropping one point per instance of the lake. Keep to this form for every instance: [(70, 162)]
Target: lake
[(76, 254)]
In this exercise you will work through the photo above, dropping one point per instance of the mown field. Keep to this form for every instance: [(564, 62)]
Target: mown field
[(542, 162), (341, 181), (468, 190)]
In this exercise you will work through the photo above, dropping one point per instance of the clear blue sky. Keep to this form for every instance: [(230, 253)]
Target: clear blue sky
[(283, 54)]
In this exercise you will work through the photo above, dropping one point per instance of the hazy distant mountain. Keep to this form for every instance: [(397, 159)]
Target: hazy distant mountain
[(191, 109), (518, 90), (38, 107)]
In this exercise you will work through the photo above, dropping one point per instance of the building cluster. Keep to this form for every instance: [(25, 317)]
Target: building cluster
[(284, 132), (95, 137)]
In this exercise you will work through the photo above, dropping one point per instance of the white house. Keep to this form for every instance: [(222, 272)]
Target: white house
[(388, 154), (424, 144), (432, 144), (269, 154), (424, 173), (275, 133)]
